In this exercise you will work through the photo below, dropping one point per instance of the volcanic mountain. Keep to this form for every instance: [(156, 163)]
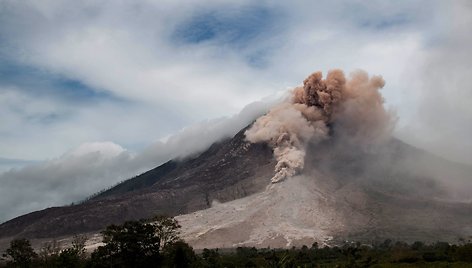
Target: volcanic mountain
[(228, 170), (339, 175)]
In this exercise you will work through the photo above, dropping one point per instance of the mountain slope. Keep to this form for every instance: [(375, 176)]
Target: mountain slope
[(345, 192), (228, 170)]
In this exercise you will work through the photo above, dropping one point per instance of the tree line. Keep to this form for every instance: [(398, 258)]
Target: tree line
[(156, 243)]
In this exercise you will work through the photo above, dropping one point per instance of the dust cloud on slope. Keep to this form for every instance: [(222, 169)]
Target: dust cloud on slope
[(340, 174), (350, 108), (348, 114)]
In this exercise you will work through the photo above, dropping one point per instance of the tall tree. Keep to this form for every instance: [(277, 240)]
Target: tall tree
[(21, 253), (136, 243)]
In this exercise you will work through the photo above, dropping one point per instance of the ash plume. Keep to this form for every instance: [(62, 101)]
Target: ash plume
[(351, 109)]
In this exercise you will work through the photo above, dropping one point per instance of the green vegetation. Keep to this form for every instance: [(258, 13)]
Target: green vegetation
[(136, 243), (21, 253), (155, 243)]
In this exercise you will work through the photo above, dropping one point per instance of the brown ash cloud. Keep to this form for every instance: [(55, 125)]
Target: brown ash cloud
[(350, 109)]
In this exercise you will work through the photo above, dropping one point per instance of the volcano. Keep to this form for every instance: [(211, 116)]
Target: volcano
[(224, 198), (338, 176)]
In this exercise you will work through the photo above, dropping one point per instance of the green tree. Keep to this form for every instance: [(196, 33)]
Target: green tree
[(21, 253), (48, 253), (73, 256), (78, 245), (70, 258), (464, 253), (166, 228), (179, 255), (211, 257), (135, 243)]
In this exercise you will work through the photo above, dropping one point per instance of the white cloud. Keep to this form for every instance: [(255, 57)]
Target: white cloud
[(441, 120), (105, 149), (94, 166)]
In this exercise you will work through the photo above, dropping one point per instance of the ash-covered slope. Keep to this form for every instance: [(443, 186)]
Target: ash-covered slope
[(352, 194), (228, 170)]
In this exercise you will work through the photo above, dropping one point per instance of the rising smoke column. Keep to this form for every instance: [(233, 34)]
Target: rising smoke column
[(351, 108)]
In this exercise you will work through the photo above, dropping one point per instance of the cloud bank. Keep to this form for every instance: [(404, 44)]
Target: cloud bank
[(94, 166), (89, 71)]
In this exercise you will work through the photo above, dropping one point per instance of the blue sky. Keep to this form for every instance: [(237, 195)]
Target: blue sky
[(118, 78)]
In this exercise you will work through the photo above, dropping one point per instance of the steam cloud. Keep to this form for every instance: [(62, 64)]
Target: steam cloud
[(335, 106)]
